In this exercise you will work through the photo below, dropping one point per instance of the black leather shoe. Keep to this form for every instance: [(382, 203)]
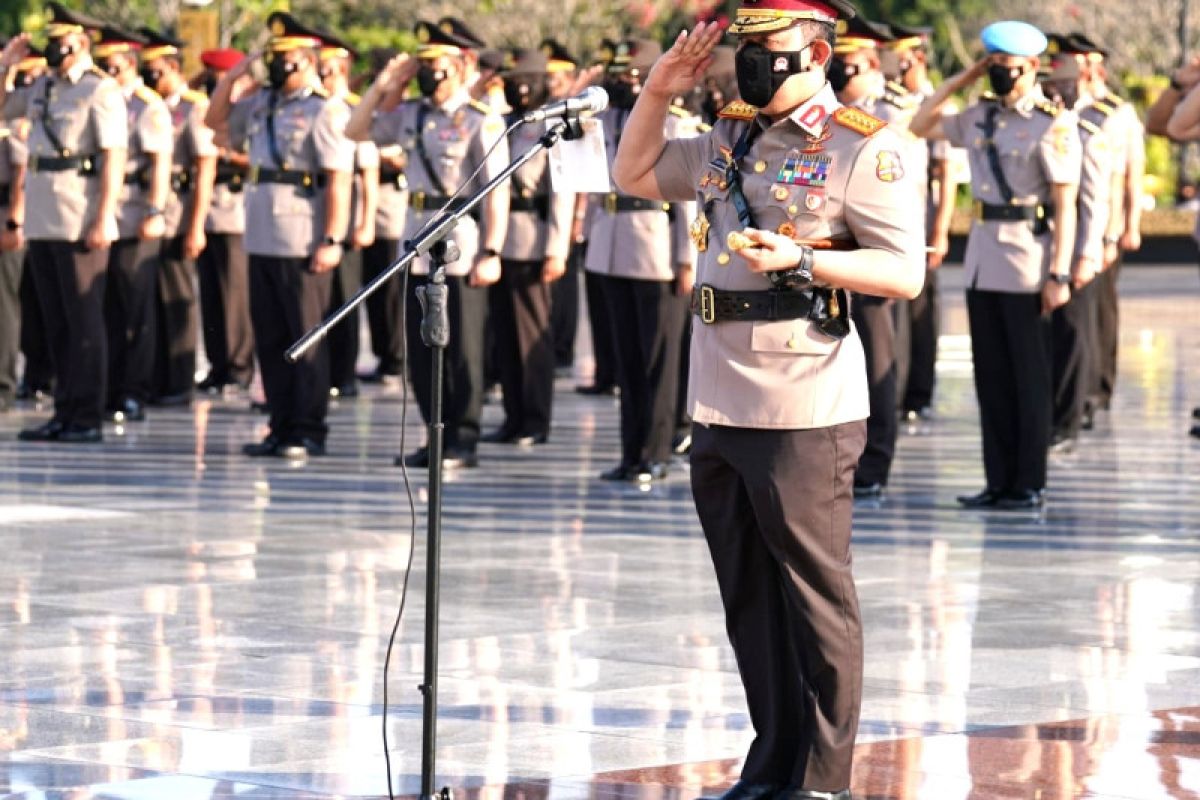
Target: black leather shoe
[(813, 794), (1062, 444), (917, 414), (459, 459), (42, 433), (651, 471), (177, 399), (596, 390), (1021, 500), (345, 390), (985, 499), (1195, 431), (868, 491), (621, 472), (380, 377), (747, 791), (681, 445), (300, 449), (212, 384), (1195, 411), (268, 447), (417, 458), (78, 434), (502, 435), (129, 411)]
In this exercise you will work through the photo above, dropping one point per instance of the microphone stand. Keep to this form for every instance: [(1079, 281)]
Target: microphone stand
[(435, 333)]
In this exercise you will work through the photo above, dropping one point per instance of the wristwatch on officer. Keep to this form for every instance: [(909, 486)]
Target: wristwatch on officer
[(1060, 279), (12, 225), (489, 252), (329, 241), (799, 276)]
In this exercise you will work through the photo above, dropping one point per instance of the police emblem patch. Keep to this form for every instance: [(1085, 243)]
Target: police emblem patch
[(888, 167)]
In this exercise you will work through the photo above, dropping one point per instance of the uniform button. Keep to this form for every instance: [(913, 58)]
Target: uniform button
[(1001, 124), (723, 259), (781, 194), (431, 125), (792, 344), (793, 210), (760, 166), (984, 187)]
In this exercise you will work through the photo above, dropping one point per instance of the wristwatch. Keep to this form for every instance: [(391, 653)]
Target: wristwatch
[(1060, 279), (488, 252), (1175, 84), (799, 276), (12, 225), (329, 240)]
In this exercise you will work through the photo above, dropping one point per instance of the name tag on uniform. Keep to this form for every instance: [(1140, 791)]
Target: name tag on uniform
[(805, 170)]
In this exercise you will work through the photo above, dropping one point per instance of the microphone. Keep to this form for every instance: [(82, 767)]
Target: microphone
[(589, 102)]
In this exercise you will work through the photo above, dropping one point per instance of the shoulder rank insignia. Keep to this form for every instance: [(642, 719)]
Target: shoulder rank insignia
[(858, 121), (482, 108), (1104, 108), (194, 96), (353, 99), (319, 91), (678, 111), (704, 127), (738, 110), (146, 94), (1047, 108), (1089, 126)]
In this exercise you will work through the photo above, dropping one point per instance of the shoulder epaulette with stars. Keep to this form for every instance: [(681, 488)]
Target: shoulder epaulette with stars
[(194, 96), (858, 121), (320, 92), (145, 94), (904, 102), (704, 127), (1047, 108), (1104, 108), (1089, 126), (353, 99), (482, 108), (738, 109), (678, 111)]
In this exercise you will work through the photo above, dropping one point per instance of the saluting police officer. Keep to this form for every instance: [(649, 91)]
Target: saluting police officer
[(778, 381), (192, 172), (297, 208), (642, 250), (14, 156), (445, 135), (133, 260), (534, 257), (1026, 159), (336, 58), (856, 76), (222, 268), (76, 169)]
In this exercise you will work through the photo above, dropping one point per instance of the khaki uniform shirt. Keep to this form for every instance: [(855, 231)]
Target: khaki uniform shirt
[(150, 135), (287, 221), (193, 141), (1127, 139), (1038, 148), (456, 138), (1095, 182), (644, 245), (851, 183), (227, 211), (13, 154), (531, 236), (392, 210), (86, 111)]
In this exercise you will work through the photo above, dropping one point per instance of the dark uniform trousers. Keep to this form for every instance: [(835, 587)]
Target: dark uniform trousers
[(520, 304), (600, 321), (1010, 347), (39, 363), (683, 422), (1108, 308), (11, 267), (646, 331), (286, 300), (1074, 337), (224, 278), (69, 280), (463, 383), (129, 314), (384, 308), (343, 337), (564, 307), (916, 346), (784, 567), (177, 323), (874, 320)]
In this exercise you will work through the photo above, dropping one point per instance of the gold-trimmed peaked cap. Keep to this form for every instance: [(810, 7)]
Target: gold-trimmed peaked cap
[(159, 45), (435, 41), (859, 33), (112, 40), (769, 16), (559, 58), (289, 33), (64, 21), (333, 46), (635, 54)]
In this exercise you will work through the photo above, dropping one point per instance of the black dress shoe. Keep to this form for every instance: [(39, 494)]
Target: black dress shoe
[(380, 377), (747, 791), (1195, 431), (42, 433), (649, 471), (1021, 500), (596, 389), (417, 458), (301, 448), (459, 459), (129, 411), (212, 384), (176, 399), (621, 472), (813, 794), (1061, 444), (868, 491), (985, 499), (681, 445), (502, 435), (80, 434), (345, 390), (917, 414), (1195, 411), (261, 406), (268, 447)]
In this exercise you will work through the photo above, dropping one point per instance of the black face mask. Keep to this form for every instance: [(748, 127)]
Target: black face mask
[(279, 71), (525, 94), (1004, 79), (840, 73), (56, 53), (151, 77), (622, 94), (429, 79), (23, 80), (104, 65), (760, 72)]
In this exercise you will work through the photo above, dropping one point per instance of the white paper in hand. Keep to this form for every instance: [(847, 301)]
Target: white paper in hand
[(581, 165)]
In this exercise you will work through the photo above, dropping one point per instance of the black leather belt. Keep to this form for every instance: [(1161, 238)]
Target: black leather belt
[(615, 204), (181, 181), (135, 179), (4, 196), (85, 164), (391, 177), (287, 177), (539, 205), (232, 178), (1012, 213), (827, 308), (420, 201)]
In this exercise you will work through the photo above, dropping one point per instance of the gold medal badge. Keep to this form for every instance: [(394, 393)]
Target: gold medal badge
[(699, 232)]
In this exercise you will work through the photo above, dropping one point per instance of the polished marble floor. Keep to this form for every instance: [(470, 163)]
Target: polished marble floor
[(177, 621)]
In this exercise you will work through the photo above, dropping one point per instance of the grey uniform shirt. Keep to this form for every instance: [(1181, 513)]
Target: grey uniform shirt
[(821, 173), (1038, 148), (150, 135), (287, 221), (532, 236), (13, 154), (456, 137), (227, 211), (644, 245), (86, 111), (392, 210), (193, 141), (1095, 182)]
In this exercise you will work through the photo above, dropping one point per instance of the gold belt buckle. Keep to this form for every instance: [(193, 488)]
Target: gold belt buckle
[(418, 201), (708, 305), (254, 174), (33, 163), (977, 211), (610, 203)]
